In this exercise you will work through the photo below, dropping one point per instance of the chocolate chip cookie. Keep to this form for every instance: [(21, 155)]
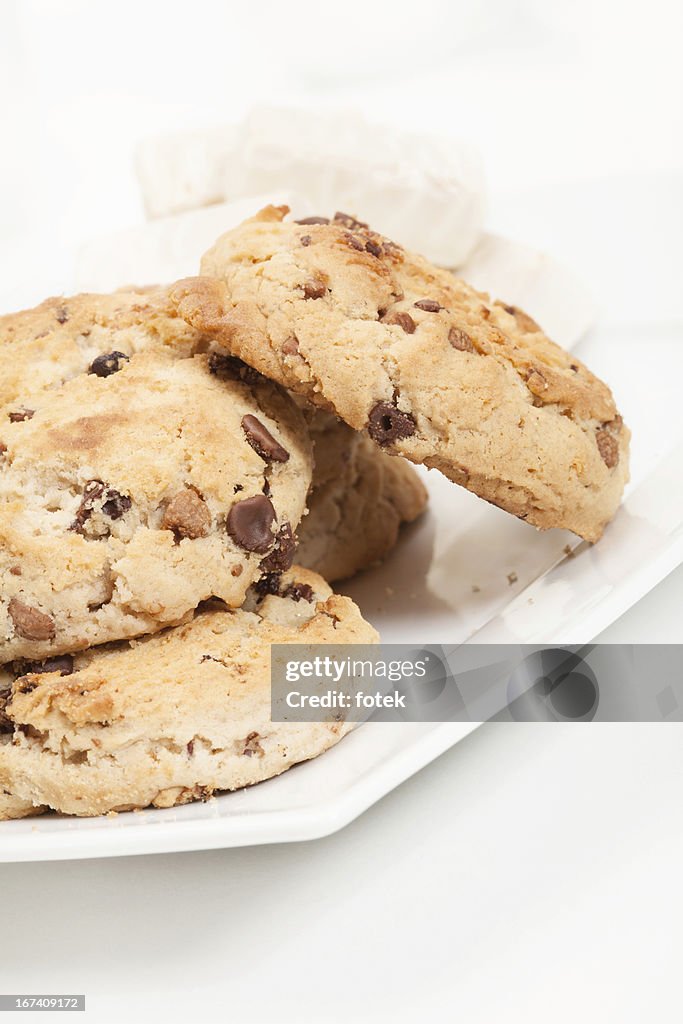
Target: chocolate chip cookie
[(136, 491), (172, 717), (358, 500), (425, 365), (41, 348), (62, 337)]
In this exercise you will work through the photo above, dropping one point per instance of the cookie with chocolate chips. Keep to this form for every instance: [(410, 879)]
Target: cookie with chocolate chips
[(423, 364), (175, 716), (127, 498), (42, 348), (358, 501), (62, 337)]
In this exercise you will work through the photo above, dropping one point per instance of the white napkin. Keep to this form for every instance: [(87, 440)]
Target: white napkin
[(424, 191)]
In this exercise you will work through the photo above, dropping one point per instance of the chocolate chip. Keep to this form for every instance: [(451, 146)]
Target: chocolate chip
[(252, 747), (232, 368), (313, 220), (262, 441), (223, 366), (305, 240), (250, 522), (574, 367), (400, 319), (282, 555), (348, 221), (110, 362), (190, 745), (387, 424), (187, 515), (29, 622), (269, 583), (6, 724), (61, 315), (373, 248), (608, 446), (428, 305), (314, 288), (63, 663), (93, 490), (355, 243), (291, 346), (298, 592), (20, 415), (116, 505), (460, 339)]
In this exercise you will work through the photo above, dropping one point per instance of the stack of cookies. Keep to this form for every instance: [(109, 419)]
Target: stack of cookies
[(185, 469)]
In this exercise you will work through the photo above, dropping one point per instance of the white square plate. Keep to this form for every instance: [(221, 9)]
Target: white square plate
[(465, 570)]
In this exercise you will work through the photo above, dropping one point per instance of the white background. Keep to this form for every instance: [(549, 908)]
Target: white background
[(531, 873)]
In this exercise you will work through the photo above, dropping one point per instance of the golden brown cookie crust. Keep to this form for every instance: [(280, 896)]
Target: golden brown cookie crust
[(176, 716), (129, 499), (428, 367), (42, 348), (45, 346)]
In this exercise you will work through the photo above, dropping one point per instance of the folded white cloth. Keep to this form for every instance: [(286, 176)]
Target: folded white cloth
[(425, 191)]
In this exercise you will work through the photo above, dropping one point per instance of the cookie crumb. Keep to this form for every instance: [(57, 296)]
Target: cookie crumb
[(512, 578)]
